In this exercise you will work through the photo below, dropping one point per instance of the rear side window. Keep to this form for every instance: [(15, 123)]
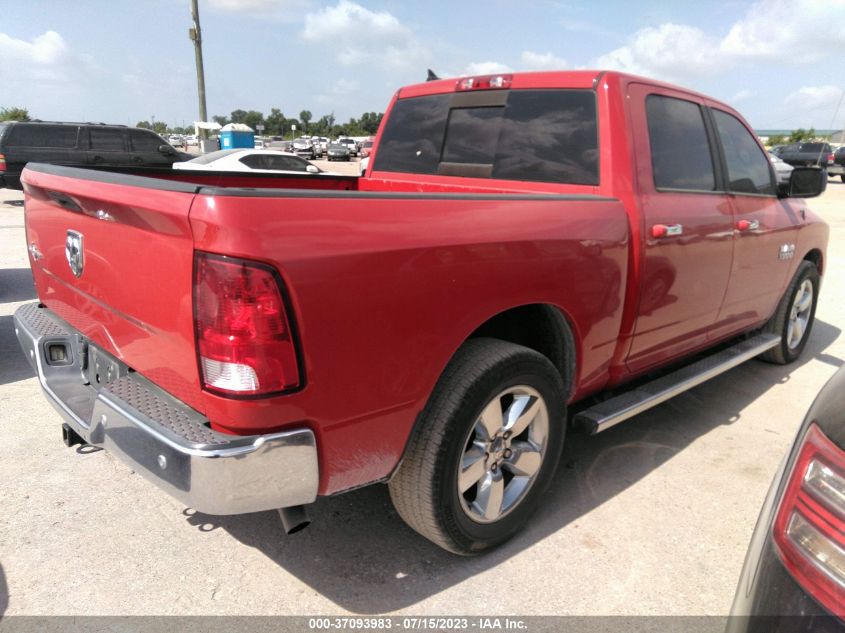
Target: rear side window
[(537, 135), (748, 167), (106, 139), (680, 152), (145, 141), (39, 135)]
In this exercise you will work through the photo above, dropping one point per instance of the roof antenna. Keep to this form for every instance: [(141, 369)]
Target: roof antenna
[(431, 76)]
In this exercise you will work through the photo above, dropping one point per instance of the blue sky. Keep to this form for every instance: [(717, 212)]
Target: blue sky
[(120, 61)]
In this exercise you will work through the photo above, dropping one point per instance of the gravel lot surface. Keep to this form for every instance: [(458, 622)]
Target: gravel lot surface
[(651, 517)]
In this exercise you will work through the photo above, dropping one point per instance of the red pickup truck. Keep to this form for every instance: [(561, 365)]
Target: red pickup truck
[(519, 243)]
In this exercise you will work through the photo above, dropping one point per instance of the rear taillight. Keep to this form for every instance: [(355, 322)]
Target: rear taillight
[(809, 527), (830, 158), (484, 83), (2, 162), (244, 338)]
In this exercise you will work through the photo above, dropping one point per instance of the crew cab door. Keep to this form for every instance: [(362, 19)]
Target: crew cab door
[(766, 229), (687, 225)]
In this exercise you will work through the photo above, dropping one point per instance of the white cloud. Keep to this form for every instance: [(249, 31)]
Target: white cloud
[(46, 58), (670, 51), (542, 61), (742, 95), (815, 97), (794, 31), (277, 8), (487, 68), (787, 31), (340, 88), (360, 36)]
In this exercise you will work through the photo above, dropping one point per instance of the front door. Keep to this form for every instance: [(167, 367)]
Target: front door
[(766, 230)]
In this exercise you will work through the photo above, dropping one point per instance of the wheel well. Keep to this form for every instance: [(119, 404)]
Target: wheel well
[(539, 327), (815, 256)]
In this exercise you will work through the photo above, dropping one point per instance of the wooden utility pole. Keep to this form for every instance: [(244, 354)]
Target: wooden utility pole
[(195, 35)]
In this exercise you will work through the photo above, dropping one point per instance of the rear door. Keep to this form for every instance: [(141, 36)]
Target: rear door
[(108, 146), (766, 229), (688, 226)]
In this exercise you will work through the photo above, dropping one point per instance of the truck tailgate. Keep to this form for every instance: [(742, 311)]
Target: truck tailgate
[(130, 292)]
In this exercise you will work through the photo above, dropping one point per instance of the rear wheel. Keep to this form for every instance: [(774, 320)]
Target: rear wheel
[(794, 317), (842, 177), (486, 448)]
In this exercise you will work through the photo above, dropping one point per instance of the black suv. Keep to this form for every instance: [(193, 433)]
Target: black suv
[(807, 154), (79, 144)]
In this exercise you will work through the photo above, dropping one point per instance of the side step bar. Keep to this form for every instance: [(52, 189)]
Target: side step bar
[(606, 414)]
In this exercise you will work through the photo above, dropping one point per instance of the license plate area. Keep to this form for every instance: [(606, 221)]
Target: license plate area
[(103, 368)]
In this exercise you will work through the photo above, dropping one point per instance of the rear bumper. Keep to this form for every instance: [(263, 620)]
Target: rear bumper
[(159, 436), (836, 170)]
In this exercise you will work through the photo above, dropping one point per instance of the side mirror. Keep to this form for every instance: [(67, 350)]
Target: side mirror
[(312, 169), (166, 149), (804, 182)]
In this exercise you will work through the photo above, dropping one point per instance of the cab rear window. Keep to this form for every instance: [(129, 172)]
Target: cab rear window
[(533, 135)]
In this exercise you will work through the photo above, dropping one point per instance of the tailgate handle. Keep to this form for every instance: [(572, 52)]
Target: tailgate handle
[(64, 201)]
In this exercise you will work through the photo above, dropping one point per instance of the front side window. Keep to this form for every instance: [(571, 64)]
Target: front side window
[(680, 152), (748, 167), (104, 139), (146, 142), (536, 135)]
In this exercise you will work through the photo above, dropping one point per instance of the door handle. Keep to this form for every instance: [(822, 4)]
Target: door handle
[(666, 230), (748, 225)]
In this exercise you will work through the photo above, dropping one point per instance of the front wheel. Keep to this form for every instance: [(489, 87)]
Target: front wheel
[(794, 317), (486, 448)]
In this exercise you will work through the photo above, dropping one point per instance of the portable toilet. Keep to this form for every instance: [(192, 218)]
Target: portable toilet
[(237, 135)]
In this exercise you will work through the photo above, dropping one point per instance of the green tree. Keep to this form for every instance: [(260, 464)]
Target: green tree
[(274, 124), (253, 118), (370, 122), (802, 135), (305, 117), (221, 120), (777, 139), (144, 124), (160, 127), (14, 114), (238, 115)]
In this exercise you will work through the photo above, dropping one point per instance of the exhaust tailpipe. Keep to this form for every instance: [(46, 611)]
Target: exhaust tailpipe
[(294, 519)]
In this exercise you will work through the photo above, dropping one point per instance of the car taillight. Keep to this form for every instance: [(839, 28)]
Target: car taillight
[(809, 528), (244, 338), (484, 83), (2, 162), (830, 158)]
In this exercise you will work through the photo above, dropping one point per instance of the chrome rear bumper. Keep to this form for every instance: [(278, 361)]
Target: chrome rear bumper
[(160, 437)]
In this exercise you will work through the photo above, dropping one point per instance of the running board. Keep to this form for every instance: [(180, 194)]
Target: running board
[(618, 409)]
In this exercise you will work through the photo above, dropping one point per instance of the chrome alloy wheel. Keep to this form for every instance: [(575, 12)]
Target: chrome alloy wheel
[(799, 315), (503, 453)]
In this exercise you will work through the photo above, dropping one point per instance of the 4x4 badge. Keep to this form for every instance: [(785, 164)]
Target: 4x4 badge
[(73, 252)]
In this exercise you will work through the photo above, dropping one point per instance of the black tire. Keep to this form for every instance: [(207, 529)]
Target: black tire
[(784, 353), (842, 177), (424, 490)]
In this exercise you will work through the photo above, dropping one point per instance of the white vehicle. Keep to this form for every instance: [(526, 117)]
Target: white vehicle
[(192, 139), (252, 160), (782, 170)]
